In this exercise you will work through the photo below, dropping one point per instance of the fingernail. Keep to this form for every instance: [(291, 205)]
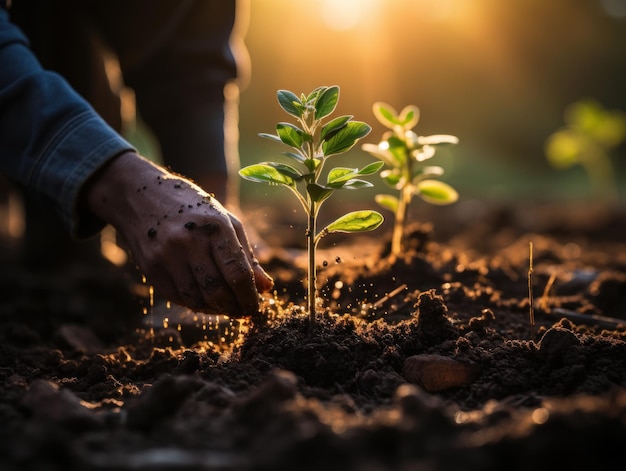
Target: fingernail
[(264, 282)]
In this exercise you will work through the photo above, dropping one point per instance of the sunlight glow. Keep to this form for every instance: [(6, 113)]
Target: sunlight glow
[(435, 9), (109, 248), (343, 15)]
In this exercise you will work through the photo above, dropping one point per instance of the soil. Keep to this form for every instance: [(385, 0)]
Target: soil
[(426, 362)]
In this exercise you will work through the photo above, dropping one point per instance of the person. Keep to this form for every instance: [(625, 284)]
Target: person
[(64, 154)]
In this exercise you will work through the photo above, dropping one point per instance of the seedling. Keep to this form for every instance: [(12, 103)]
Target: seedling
[(404, 151), (589, 134), (312, 143)]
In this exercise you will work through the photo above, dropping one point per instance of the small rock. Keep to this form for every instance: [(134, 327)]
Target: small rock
[(415, 402), (422, 410), (79, 338), (162, 399), (49, 403), (438, 373), (279, 387)]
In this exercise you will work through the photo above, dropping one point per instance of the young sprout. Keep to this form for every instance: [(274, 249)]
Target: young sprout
[(590, 133), (311, 144), (404, 153)]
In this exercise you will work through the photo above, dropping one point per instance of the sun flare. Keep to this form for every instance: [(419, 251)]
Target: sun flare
[(344, 15)]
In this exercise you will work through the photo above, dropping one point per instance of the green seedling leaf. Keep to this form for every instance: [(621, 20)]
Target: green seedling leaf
[(425, 153), (385, 114), (286, 170), (318, 193), (271, 137), (427, 172), (389, 117), (409, 117), (590, 118), (326, 102), (289, 134), (389, 202), (436, 192), (392, 177), (590, 133), (398, 149), (375, 150), (613, 130), (356, 221), (266, 173), (311, 142), (314, 95), (289, 102), (330, 128), (437, 139), (403, 151), (341, 174), (564, 149), (355, 184), (345, 138), (586, 116), (371, 169), (380, 151), (312, 164), (295, 156)]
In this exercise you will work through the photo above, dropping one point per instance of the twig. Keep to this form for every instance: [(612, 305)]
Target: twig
[(531, 311), (387, 297), (543, 302), (590, 319)]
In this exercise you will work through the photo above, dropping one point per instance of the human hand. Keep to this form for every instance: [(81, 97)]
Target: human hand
[(189, 247)]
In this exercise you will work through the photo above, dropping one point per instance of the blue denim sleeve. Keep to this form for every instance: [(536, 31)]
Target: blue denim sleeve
[(51, 140)]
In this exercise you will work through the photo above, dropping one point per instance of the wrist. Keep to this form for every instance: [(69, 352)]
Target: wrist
[(108, 194)]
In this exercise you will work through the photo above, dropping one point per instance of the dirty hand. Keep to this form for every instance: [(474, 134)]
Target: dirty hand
[(192, 250)]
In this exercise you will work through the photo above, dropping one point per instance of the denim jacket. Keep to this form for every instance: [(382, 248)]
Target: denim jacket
[(51, 140)]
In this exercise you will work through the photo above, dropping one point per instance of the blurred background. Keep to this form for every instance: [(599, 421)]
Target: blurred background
[(497, 74)]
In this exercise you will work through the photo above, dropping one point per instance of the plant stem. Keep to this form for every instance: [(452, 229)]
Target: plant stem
[(598, 166), (312, 270), (398, 228), (531, 301)]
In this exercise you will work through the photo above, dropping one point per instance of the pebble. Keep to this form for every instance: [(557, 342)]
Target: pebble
[(438, 373), (162, 399), (79, 338), (47, 402)]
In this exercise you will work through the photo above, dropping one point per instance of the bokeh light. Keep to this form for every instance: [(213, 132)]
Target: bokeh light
[(496, 74)]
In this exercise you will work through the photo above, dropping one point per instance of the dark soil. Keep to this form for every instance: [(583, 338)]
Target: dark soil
[(428, 362)]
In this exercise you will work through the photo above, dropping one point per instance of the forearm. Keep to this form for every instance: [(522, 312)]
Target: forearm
[(51, 139)]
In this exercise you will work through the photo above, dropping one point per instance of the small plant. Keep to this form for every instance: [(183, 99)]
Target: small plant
[(404, 152), (589, 134), (312, 143)]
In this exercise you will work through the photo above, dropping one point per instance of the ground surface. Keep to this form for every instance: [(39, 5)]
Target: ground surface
[(425, 363)]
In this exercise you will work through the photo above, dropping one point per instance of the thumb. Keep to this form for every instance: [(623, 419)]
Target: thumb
[(262, 280)]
